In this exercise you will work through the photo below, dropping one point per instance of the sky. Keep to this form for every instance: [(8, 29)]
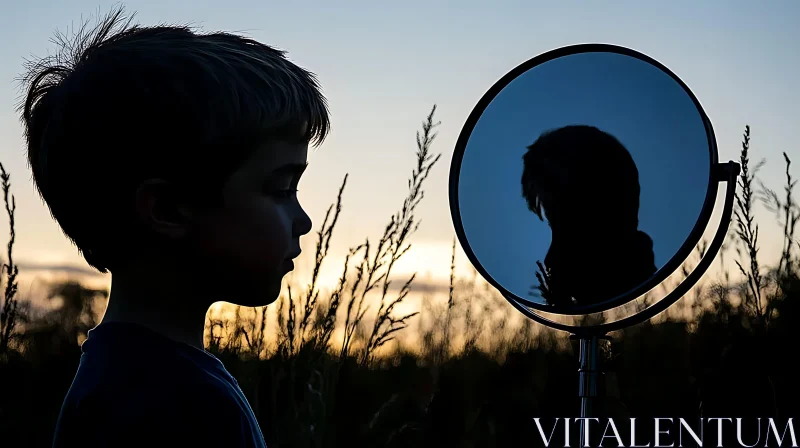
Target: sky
[(641, 106), (383, 65)]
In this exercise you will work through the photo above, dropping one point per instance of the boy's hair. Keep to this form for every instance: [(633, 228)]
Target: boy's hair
[(594, 162), (123, 103)]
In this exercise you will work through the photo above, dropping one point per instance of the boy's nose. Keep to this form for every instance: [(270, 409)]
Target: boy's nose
[(303, 224)]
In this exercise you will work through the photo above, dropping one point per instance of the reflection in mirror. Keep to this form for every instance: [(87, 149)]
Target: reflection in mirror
[(570, 175), (582, 179)]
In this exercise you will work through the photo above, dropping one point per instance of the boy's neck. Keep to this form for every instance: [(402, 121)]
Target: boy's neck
[(190, 336), (162, 305)]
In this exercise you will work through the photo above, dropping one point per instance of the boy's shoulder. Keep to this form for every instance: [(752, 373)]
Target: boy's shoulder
[(122, 395), (172, 413)]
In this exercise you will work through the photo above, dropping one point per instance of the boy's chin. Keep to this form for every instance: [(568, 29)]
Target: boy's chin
[(263, 295), (265, 298)]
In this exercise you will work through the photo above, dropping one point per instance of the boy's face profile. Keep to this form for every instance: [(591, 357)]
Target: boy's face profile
[(247, 246)]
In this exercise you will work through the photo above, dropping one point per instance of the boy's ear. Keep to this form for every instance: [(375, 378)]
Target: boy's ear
[(160, 208)]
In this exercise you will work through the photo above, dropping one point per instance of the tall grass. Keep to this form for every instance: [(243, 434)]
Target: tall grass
[(9, 308), (328, 371)]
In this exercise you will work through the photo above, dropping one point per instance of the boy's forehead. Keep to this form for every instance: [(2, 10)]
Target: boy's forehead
[(270, 160), (275, 154)]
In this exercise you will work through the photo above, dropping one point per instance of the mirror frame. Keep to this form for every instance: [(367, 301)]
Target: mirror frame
[(662, 273)]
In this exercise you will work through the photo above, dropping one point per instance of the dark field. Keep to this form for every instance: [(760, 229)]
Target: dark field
[(331, 373)]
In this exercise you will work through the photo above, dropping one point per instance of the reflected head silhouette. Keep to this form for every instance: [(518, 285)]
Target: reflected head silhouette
[(584, 182)]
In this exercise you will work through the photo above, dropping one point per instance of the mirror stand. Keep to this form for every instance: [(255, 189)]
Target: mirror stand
[(589, 336), (589, 374)]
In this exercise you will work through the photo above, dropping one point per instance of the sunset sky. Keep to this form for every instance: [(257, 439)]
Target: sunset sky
[(383, 65)]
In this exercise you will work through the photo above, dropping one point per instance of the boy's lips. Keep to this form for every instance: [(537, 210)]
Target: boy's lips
[(288, 264)]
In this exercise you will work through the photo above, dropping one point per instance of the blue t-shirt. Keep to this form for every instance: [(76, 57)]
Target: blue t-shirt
[(137, 388)]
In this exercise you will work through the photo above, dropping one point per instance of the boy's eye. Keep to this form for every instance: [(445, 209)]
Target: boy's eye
[(285, 194)]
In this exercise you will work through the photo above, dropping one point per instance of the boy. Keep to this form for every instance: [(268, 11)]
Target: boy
[(191, 147), (587, 184)]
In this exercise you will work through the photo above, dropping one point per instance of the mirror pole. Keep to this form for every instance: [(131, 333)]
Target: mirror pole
[(589, 373)]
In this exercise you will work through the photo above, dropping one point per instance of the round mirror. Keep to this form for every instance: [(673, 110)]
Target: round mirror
[(582, 179)]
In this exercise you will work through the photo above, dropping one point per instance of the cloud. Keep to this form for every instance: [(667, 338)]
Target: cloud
[(418, 286), (65, 268)]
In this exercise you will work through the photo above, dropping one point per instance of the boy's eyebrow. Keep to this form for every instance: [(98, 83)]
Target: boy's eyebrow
[(293, 169)]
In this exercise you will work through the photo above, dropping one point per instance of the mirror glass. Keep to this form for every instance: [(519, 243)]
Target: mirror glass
[(582, 178)]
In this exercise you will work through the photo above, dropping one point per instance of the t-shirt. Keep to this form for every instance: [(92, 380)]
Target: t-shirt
[(137, 388)]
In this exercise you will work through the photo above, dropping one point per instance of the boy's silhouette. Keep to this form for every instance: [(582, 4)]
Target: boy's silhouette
[(171, 159), (587, 185)]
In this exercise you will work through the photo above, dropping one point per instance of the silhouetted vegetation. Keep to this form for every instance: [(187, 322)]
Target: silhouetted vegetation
[(329, 371)]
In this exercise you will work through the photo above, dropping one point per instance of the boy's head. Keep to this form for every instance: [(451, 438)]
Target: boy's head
[(579, 174), (587, 184), (152, 143)]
